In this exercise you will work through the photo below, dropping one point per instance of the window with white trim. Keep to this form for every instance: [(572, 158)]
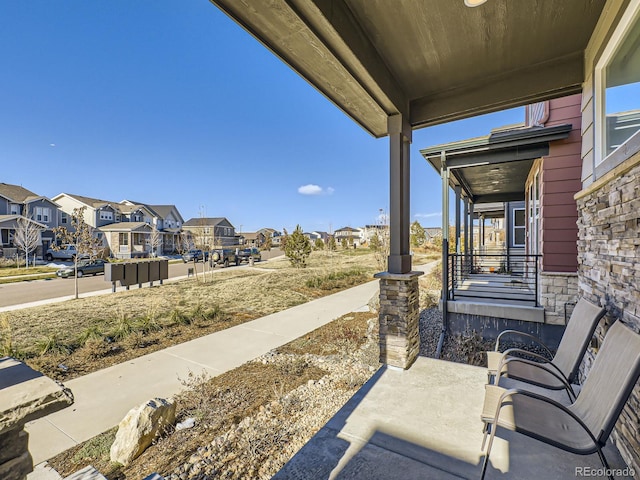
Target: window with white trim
[(106, 215), (617, 87), (15, 209), (43, 214)]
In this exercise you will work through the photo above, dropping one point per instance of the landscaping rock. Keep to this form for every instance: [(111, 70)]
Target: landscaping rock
[(138, 429)]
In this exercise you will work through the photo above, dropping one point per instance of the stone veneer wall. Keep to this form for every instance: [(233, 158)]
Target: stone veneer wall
[(556, 291), (399, 317), (609, 273)]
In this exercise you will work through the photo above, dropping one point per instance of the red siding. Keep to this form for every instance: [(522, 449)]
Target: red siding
[(561, 211), (561, 187), (560, 180)]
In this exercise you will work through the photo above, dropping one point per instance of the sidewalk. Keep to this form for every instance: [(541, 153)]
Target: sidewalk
[(104, 397)]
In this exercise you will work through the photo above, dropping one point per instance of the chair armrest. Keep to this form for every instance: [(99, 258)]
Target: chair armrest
[(523, 334), (494, 358)]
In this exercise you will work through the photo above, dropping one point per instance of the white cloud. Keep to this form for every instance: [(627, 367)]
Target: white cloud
[(312, 189), (52, 144), (428, 215)]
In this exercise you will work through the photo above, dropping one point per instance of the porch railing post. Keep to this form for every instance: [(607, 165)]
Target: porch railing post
[(535, 259)]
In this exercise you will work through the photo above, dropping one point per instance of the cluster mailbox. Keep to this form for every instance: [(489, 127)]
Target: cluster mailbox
[(130, 273)]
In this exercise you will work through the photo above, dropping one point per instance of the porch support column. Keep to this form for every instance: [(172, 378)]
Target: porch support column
[(447, 268), (399, 308), (399, 169), (458, 191), (471, 231), (466, 231)]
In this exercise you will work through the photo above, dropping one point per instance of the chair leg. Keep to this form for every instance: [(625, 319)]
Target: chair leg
[(486, 430), (485, 463), (605, 464)]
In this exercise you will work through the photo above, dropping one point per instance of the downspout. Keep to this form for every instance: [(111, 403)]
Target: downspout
[(444, 173)]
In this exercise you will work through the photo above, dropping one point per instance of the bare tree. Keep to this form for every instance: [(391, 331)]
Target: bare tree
[(27, 236), (81, 236), (155, 239), (381, 252), (184, 242)]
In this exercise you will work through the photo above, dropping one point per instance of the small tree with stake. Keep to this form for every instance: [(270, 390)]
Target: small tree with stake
[(80, 235), (27, 237), (155, 239), (297, 248)]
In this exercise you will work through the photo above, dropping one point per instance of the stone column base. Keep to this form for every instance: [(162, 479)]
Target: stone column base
[(399, 317)]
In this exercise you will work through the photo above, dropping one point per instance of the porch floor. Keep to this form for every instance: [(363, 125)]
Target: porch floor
[(425, 423)]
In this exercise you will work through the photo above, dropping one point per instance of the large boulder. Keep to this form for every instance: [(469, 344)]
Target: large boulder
[(138, 429)]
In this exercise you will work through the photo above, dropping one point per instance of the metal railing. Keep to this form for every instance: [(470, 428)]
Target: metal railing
[(512, 277)]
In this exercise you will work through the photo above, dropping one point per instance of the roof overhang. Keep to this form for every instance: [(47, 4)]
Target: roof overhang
[(432, 61), (11, 222), (495, 168)]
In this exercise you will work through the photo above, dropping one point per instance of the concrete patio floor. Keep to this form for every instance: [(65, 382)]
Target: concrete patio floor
[(425, 423)]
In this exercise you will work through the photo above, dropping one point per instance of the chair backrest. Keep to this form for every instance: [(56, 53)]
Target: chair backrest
[(613, 376), (574, 343)]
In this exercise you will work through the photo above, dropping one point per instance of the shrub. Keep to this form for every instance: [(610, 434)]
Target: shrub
[(149, 321), (297, 248), (124, 326), (90, 333), (51, 344), (178, 317)]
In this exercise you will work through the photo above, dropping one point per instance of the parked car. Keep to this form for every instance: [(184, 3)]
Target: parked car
[(224, 257), (85, 267), (64, 252), (246, 253), (195, 255)]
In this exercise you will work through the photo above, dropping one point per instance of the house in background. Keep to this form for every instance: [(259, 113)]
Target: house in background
[(311, 236), (324, 236), (253, 239), (210, 232), (276, 236), (16, 202), (127, 239), (433, 233), (375, 230), (350, 234), (169, 221), (127, 227)]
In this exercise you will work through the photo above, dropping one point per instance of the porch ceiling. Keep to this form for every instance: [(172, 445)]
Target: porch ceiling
[(431, 60), (494, 168)]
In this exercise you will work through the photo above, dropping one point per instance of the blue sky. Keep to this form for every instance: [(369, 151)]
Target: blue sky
[(169, 101)]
